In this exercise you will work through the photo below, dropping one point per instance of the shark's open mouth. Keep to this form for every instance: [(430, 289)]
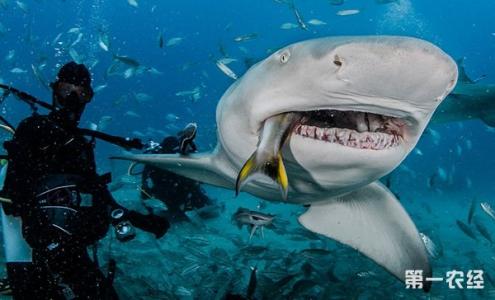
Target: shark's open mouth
[(360, 130)]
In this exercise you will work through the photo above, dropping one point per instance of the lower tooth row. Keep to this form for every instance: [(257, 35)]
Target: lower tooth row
[(351, 138)]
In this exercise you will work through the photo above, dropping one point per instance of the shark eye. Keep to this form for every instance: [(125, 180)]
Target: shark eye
[(284, 57)]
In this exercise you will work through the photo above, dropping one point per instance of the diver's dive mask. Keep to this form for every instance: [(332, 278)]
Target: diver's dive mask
[(70, 94)]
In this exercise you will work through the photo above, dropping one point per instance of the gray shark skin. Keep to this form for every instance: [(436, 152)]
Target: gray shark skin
[(470, 100), (366, 101)]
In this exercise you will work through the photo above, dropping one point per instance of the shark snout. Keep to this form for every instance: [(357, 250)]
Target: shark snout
[(401, 68)]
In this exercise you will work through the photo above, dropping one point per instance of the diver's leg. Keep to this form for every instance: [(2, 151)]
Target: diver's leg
[(21, 279)]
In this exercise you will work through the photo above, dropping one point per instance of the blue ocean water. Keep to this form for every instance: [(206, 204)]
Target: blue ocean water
[(45, 34)]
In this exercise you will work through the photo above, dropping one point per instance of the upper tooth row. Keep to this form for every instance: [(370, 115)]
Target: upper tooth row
[(373, 140)]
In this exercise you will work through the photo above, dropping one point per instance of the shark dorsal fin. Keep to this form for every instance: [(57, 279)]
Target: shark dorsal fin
[(463, 77)]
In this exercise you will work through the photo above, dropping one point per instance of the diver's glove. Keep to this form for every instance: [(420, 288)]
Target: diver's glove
[(186, 138), (133, 144), (150, 223)]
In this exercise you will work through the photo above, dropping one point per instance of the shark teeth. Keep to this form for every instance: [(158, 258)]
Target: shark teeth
[(349, 137)]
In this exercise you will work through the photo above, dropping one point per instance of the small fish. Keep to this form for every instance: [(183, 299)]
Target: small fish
[(190, 269), (482, 230), (430, 246), (74, 30), (418, 151), (77, 40), (288, 26), (18, 71), (104, 122), (226, 70), (129, 72), (301, 286), (174, 41), (142, 97), (469, 144), (442, 174), (466, 229), (435, 135), (469, 183), (75, 56), (471, 210), (23, 6), (336, 2), (488, 209), (347, 12), (227, 60), (458, 150), (245, 37), (267, 159), (160, 40), (253, 219), (126, 60), (39, 76), (252, 283), (188, 93), (316, 22), (171, 117), (100, 88), (131, 113), (253, 250), (153, 71), (133, 3), (103, 41), (299, 18), (315, 253), (10, 55), (366, 274)]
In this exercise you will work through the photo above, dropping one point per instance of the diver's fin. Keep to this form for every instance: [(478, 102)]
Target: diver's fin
[(272, 167), (208, 168), (373, 222)]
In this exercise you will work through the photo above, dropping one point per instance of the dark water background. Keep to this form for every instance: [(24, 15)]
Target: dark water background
[(461, 28)]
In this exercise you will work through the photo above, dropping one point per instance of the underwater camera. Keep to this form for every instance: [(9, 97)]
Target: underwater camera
[(124, 231)]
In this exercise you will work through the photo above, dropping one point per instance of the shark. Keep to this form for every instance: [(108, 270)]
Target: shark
[(317, 123), (471, 99)]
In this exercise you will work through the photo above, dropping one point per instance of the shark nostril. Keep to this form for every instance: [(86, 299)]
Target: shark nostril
[(337, 60)]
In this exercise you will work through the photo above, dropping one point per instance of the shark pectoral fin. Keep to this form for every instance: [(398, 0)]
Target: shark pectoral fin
[(272, 167), (203, 167), (372, 221)]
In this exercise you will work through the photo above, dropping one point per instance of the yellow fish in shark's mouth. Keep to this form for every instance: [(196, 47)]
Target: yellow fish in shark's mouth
[(267, 159)]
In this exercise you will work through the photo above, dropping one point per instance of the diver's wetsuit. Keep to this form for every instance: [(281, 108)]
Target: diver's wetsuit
[(179, 193), (44, 155)]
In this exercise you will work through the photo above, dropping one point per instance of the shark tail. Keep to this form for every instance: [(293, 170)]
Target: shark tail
[(273, 167)]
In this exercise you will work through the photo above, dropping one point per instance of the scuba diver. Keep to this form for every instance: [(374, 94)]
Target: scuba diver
[(63, 203), (180, 194)]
